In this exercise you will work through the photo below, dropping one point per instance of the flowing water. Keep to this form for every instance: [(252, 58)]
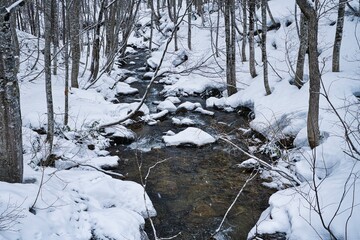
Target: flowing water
[(192, 187)]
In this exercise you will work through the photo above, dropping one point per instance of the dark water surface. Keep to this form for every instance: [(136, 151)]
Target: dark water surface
[(194, 187)]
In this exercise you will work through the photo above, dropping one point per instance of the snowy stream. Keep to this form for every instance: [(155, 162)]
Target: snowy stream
[(194, 187)]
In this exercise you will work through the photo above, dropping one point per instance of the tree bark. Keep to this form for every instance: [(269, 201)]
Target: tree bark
[(251, 38), (47, 70), (313, 130), (188, 3), (229, 17), (338, 36), (95, 64), (11, 158), (75, 42), (304, 35), (244, 25), (263, 46)]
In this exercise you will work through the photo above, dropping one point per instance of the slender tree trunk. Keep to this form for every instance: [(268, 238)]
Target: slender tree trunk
[(151, 30), (75, 42), (11, 155), (251, 38), (244, 25), (304, 35), (95, 64), (263, 46), (188, 2), (54, 33), (169, 4), (47, 60), (66, 27), (338, 36), (217, 29), (313, 113), (230, 46), (175, 23)]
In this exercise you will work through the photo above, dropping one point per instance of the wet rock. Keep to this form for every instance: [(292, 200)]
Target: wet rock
[(211, 92), (120, 135), (91, 147)]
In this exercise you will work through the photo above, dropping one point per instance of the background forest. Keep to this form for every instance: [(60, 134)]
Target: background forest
[(65, 67)]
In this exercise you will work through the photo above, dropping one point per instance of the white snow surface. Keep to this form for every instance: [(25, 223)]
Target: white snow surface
[(75, 200), (190, 135)]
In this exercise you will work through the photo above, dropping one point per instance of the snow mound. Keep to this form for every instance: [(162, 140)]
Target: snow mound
[(183, 121), (124, 88), (167, 105), (189, 105), (190, 135)]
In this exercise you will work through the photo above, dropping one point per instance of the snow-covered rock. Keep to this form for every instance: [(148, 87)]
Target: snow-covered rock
[(174, 100), (190, 135), (183, 121), (166, 105), (189, 105)]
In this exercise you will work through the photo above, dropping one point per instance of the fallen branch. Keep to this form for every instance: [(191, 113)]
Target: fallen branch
[(111, 174), (252, 176), (264, 164)]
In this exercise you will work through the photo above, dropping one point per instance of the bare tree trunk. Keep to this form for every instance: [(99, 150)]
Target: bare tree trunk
[(313, 113), (217, 29), (230, 46), (175, 23), (54, 33), (251, 38), (75, 42), (188, 2), (263, 46), (66, 28), (95, 64), (130, 21), (244, 25), (304, 35), (11, 155), (338, 36), (47, 60), (151, 30), (169, 3)]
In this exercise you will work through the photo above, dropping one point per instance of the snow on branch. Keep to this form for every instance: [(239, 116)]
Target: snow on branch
[(14, 5)]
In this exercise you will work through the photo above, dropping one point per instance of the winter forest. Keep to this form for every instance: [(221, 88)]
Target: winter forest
[(179, 119)]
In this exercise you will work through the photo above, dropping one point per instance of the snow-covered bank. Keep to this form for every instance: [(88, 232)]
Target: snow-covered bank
[(73, 198)]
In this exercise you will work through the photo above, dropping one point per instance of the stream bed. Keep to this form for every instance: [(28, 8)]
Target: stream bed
[(191, 187)]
